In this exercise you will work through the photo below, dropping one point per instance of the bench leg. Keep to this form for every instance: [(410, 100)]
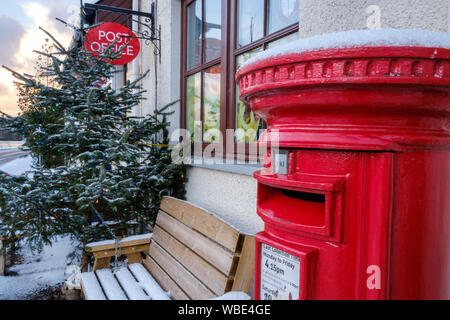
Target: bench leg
[(101, 263), (134, 258), (2, 258)]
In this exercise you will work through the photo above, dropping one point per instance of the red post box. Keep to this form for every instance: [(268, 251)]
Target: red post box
[(360, 208)]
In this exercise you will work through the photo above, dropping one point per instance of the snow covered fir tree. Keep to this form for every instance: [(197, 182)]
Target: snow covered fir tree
[(93, 161)]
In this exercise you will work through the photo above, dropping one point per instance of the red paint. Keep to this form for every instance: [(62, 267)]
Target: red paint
[(369, 133), (120, 38)]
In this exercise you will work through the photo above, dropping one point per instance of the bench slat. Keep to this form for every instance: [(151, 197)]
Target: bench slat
[(202, 270), (129, 284), (124, 251), (244, 272), (148, 283), (91, 288), (165, 281), (201, 221), (216, 255), (191, 285), (110, 285)]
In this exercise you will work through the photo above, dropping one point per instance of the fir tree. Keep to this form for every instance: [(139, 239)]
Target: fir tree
[(97, 160)]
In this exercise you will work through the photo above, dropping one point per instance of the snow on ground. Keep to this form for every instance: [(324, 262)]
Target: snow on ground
[(18, 166), (359, 38), (38, 271)]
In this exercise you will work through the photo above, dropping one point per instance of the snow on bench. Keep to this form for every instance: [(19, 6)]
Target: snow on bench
[(132, 282), (147, 236), (137, 284), (91, 288)]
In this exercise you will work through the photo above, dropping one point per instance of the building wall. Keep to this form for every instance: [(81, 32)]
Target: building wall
[(163, 81), (231, 196), (324, 16)]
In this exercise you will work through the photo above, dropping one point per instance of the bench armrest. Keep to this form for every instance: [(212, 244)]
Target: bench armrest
[(130, 246)]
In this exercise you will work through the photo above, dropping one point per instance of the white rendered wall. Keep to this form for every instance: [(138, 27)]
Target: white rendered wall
[(324, 16), (231, 196), (166, 71)]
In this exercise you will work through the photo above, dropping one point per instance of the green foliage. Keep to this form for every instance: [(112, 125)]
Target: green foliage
[(96, 157)]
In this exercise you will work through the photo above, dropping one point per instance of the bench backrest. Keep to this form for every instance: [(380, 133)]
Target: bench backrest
[(195, 255)]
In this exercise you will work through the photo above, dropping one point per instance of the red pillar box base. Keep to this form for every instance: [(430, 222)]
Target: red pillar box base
[(363, 209)]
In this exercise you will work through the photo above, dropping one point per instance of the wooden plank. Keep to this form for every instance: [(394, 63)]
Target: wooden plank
[(147, 282), (110, 285), (122, 244), (201, 269), (201, 221), (190, 284), (218, 256), (123, 251), (91, 287), (101, 263), (246, 266), (164, 280), (130, 286), (134, 258)]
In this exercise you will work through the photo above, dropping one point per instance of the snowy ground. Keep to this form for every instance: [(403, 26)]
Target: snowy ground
[(38, 271), (18, 166)]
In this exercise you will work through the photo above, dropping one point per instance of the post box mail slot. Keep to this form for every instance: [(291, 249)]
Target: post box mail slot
[(302, 203)]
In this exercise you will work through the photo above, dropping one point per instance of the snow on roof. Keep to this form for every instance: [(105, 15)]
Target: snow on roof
[(360, 38)]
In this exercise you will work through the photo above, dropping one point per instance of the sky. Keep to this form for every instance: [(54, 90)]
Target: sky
[(20, 35)]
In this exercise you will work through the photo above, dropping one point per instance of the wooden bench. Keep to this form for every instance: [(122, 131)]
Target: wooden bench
[(193, 255)]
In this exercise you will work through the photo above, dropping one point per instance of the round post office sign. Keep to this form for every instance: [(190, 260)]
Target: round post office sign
[(120, 38)]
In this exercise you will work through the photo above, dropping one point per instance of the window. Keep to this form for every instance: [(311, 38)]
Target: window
[(203, 70), (218, 37)]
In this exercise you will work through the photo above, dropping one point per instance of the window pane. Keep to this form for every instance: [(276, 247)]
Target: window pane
[(284, 40), (282, 13), (213, 29), (247, 124), (194, 34), (193, 106), (211, 104), (250, 21)]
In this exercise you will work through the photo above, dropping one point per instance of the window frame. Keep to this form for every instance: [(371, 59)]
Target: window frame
[(229, 53)]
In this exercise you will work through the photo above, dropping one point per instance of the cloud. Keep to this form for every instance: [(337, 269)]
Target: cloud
[(12, 33), (18, 43), (4, 90)]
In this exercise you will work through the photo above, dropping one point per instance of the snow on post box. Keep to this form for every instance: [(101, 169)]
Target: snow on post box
[(363, 118)]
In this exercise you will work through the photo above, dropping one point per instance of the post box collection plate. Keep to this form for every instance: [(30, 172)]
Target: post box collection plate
[(280, 274)]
